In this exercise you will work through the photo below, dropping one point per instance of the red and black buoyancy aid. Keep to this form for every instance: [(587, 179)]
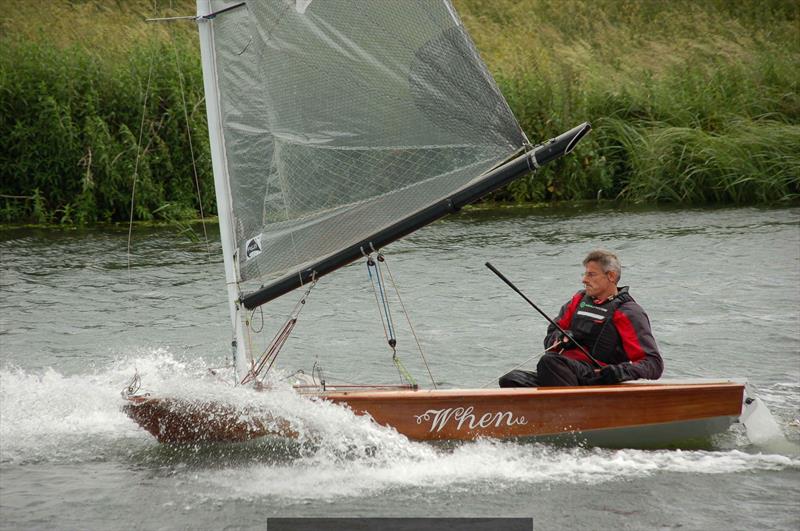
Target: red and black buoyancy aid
[(592, 326)]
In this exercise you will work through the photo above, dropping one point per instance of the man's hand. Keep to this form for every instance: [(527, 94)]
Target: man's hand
[(564, 342), (611, 374)]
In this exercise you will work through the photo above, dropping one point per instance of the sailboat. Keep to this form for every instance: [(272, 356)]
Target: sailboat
[(337, 128)]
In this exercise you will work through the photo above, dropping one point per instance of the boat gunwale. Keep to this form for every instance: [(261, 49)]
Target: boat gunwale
[(516, 392), (519, 392)]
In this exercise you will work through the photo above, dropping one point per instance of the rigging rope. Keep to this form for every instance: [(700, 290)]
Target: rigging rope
[(136, 164), (401, 369), (408, 318), (270, 353), (381, 298), (139, 151), (191, 147), (383, 307)]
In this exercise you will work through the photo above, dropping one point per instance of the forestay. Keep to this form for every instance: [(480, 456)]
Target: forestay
[(342, 118)]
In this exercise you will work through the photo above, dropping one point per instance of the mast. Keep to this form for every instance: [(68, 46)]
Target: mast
[(220, 168)]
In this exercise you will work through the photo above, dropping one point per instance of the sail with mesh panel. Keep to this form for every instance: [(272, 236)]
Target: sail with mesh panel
[(342, 119)]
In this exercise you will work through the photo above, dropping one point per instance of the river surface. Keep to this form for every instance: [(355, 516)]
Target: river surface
[(80, 316)]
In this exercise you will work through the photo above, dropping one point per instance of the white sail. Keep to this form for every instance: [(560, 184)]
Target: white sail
[(341, 118)]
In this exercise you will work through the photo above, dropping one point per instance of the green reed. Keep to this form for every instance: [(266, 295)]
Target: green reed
[(70, 125), (692, 102), (82, 133)]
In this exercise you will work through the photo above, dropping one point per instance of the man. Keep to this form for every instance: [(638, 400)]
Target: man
[(604, 320)]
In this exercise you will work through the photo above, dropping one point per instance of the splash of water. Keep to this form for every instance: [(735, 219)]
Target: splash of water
[(53, 417), (46, 416), (489, 465), (50, 416)]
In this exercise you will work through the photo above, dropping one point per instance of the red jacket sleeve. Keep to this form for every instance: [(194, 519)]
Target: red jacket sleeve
[(564, 319), (638, 342)]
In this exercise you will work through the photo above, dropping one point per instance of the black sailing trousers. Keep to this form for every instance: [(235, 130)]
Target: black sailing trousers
[(553, 370)]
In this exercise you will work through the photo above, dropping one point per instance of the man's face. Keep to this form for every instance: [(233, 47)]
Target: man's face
[(598, 284)]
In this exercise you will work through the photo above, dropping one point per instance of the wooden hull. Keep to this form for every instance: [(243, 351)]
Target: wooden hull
[(647, 414), (181, 421)]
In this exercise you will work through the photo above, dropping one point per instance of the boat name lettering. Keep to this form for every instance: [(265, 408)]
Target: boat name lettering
[(465, 416)]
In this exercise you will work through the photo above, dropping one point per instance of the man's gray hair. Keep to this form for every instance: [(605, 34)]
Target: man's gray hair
[(608, 261)]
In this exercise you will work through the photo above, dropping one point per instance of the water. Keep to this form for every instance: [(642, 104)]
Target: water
[(720, 286)]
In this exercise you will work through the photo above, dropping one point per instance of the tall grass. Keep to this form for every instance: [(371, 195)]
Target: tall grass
[(90, 120), (692, 102)]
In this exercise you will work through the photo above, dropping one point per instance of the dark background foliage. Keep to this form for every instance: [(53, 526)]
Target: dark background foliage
[(692, 102)]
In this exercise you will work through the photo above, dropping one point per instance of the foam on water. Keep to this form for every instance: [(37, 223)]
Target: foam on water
[(58, 418), (489, 465), (50, 416)]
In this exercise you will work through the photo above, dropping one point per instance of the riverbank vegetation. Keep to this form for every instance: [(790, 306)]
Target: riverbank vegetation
[(691, 102)]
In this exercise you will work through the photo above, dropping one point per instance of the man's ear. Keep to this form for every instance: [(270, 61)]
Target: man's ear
[(613, 277)]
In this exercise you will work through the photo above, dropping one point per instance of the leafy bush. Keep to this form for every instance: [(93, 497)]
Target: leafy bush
[(692, 102)]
